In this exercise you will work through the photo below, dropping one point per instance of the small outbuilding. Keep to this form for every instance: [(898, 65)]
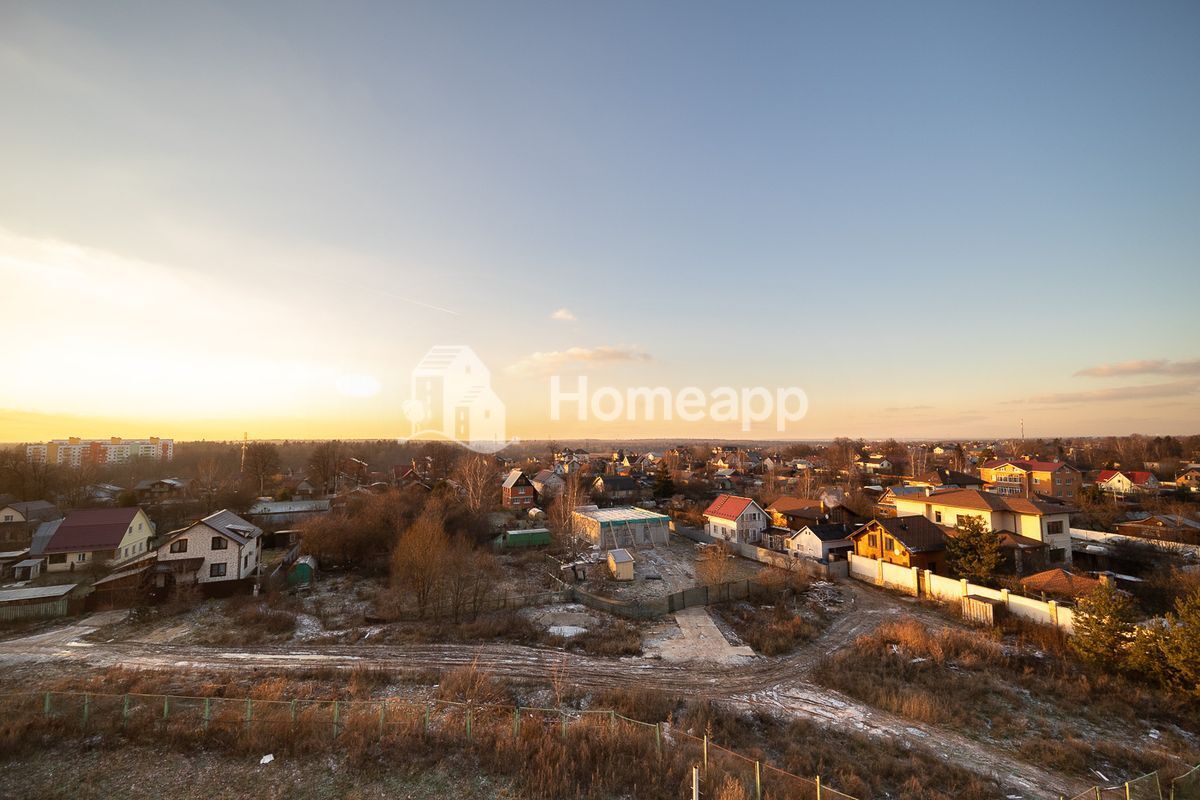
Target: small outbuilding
[(620, 564), (520, 540), (302, 572)]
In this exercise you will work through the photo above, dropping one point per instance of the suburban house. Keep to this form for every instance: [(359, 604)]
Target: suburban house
[(885, 506), (622, 526), (161, 490), (820, 541), (277, 513), (910, 541), (736, 519), (547, 484), (1189, 479), (1168, 527), (31, 511), (517, 490), (872, 464), (1038, 521), (222, 547), (98, 535), (944, 478), (1027, 478), (1123, 482), (615, 487)]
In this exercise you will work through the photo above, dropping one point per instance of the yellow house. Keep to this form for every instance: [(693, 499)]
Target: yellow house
[(1037, 520), (1024, 478), (107, 536)]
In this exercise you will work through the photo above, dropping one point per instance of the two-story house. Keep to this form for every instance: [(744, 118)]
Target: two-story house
[(517, 491), (1023, 519), (736, 519), (220, 547), (1025, 478)]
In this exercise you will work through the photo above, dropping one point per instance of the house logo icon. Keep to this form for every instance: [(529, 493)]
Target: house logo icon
[(452, 398)]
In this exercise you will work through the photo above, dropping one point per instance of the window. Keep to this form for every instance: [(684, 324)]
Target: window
[(1054, 527), (80, 557), (58, 558), (872, 540), (246, 561), (8, 517), (937, 516), (219, 543), (179, 546), (889, 543), (216, 570)]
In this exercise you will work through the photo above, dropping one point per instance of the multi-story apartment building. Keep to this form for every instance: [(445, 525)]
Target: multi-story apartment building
[(75, 452), (1024, 478)]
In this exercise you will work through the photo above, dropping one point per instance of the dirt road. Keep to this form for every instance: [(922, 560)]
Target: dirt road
[(777, 685)]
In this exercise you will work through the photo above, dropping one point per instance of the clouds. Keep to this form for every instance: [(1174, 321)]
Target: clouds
[(563, 314), (1157, 366), (574, 358), (1149, 391)]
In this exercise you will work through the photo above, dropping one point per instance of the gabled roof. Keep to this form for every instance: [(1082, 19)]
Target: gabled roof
[(987, 501), (91, 529), (1029, 466), (514, 476), (1059, 581), (620, 483), (35, 510), (940, 476), (42, 536), (829, 532), (728, 506), (915, 533), (1136, 476), (224, 522)]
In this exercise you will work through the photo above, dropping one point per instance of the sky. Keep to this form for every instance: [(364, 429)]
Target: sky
[(937, 219)]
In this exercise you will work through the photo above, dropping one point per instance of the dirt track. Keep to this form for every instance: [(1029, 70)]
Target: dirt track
[(778, 685)]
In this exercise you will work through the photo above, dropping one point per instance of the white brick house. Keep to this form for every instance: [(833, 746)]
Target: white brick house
[(220, 547), (736, 519)]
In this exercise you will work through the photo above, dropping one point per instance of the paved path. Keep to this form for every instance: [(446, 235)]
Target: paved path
[(698, 639)]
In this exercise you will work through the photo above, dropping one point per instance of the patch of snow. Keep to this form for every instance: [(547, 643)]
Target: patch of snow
[(267, 759), (566, 631)]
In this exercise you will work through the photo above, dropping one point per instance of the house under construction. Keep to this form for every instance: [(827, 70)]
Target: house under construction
[(623, 526)]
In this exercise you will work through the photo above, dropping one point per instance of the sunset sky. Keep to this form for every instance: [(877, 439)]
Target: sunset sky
[(937, 219)]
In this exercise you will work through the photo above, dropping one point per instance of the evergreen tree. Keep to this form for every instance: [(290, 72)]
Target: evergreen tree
[(974, 551), (1104, 627)]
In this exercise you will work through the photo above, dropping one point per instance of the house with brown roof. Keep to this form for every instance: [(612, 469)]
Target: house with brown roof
[(108, 536), (1167, 527), (1030, 478), (911, 541), (1041, 521), (736, 519)]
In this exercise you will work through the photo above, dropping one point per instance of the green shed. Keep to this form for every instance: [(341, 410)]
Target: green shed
[(302, 572), (516, 540)]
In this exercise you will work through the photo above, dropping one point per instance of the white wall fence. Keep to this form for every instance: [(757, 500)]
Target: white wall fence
[(923, 583)]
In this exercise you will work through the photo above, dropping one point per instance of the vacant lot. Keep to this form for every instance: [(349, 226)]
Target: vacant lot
[(1019, 692)]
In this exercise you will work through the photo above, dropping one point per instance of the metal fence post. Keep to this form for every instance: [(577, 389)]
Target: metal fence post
[(563, 718), (658, 738), (125, 711), (516, 721), (706, 754), (468, 723), (292, 708), (46, 705), (207, 711), (818, 787), (382, 716), (166, 707), (757, 780), (336, 717), (426, 719), (249, 712), (87, 702)]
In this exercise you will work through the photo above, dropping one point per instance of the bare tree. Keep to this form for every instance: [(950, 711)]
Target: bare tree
[(714, 565), (563, 522), (477, 477), (262, 462), (323, 464)]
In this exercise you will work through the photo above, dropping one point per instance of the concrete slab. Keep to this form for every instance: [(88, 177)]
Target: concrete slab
[(697, 638)]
